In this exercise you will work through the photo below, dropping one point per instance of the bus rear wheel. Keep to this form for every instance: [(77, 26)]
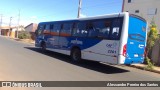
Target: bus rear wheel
[(76, 55), (43, 47)]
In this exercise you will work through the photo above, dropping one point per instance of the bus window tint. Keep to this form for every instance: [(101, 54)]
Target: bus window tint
[(81, 30), (103, 29), (40, 29), (55, 30), (92, 31), (47, 29), (51, 27), (115, 35), (66, 30), (74, 29)]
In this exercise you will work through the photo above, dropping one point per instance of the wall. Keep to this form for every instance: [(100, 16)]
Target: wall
[(144, 7), (31, 27), (156, 53)]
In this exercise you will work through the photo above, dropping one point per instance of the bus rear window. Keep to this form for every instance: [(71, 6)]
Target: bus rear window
[(137, 37)]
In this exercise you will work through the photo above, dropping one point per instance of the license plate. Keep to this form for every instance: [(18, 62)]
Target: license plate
[(135, 55)]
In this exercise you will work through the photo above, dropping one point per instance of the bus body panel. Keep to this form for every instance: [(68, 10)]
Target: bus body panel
[(136, 41), (91, 49), (123, 39), (104, 51), (97, 49)]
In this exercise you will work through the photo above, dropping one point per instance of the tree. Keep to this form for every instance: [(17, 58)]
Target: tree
[(21, 28), (151, 39)]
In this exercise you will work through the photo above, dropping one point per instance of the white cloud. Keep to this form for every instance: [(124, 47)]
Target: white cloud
[(82, 15), (33, 17)]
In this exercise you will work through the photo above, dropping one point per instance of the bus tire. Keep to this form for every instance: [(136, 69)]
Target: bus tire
[(43, 47), (76, 55)]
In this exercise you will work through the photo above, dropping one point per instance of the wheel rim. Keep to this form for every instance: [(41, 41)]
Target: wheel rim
[(43, 47), (76, 55)]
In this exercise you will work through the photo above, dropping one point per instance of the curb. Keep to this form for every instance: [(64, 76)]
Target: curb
[(23, 40), (143, 68)]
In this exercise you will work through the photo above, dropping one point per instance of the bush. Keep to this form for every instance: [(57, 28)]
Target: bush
[(150, 65), (24, 35)]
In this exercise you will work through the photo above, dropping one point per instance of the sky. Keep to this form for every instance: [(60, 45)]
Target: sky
[(35, 11)]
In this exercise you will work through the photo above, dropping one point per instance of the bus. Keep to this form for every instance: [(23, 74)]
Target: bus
[(114, 38)]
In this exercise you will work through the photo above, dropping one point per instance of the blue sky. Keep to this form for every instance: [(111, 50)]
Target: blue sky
[(49, 10)]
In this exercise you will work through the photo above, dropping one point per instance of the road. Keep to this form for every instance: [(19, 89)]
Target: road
[(23, 62)]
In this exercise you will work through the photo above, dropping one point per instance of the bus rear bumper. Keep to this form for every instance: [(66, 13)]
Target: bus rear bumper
[(127, 61), (133, 60)]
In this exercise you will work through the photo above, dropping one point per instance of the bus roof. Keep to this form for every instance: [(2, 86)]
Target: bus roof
[(90, 18), (97, 17)]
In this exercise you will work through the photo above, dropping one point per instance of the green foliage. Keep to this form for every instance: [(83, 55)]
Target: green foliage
[(24, 35), (151, 39), (150, 65)]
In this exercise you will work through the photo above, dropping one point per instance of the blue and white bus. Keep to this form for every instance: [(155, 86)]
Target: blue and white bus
[(115, 39)]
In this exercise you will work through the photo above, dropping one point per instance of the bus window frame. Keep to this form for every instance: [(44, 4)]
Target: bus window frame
[(39, 30), (77, 28), (62, 29), (55, 31), (120, 27)]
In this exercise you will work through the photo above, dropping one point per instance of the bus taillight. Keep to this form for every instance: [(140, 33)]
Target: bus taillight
[(124, 50)]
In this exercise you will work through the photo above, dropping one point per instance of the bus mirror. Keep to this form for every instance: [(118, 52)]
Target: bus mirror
[(36, 32)]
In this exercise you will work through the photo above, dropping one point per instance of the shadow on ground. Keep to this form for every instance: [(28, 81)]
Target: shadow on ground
[(96, 66)]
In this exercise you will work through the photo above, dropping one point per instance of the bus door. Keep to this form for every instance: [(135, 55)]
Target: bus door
[(54, 40), (47, 35), (136, 40), (39, 35), (65, 34)]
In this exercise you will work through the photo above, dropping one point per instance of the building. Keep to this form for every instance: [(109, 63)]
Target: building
[(148, 9), (8, 31), (31, 28), (5, 30)]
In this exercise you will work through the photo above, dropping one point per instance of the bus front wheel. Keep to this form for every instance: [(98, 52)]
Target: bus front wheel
[(43, 47), (76, 55)]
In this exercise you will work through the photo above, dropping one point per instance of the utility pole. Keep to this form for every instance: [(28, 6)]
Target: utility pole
[(1, 23), (10, 26), (79, 8), (18, 23)]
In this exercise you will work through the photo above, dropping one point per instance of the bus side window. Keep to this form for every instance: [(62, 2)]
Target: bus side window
[(56, 29), (92, 31), (82, 30), (40, 29), (103, 28), (66, 30), (115, 35), (47, 29), (51, 27), (74, 29)]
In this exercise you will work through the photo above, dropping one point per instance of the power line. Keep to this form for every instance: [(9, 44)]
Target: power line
[(1, 23), (10, 25), (79, 8), (19, 14)]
